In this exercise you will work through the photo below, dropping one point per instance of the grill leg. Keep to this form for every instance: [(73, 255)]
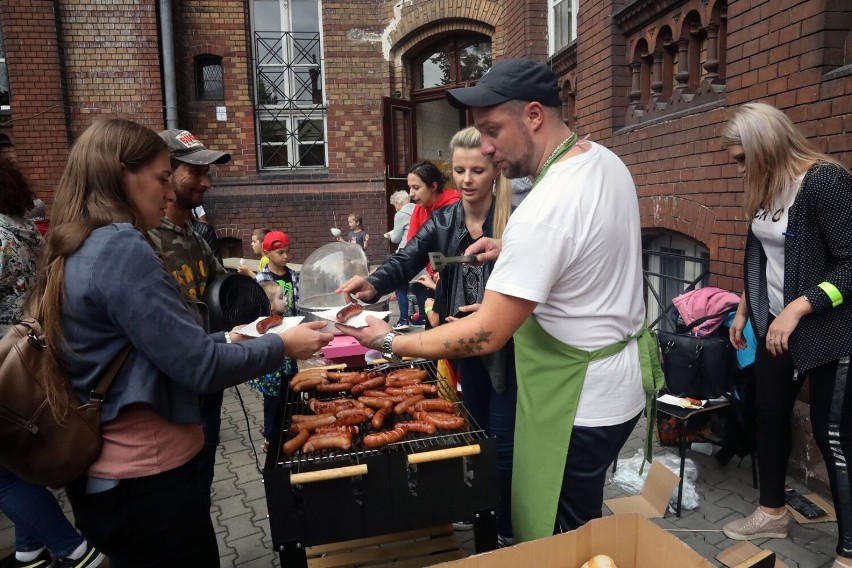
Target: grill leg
[(485, 530), (292, 555)]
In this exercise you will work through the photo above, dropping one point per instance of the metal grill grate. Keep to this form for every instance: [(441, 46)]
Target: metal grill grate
[(297, 403)]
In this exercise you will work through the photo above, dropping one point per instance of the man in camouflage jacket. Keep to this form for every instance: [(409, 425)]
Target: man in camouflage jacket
[(190, 259)]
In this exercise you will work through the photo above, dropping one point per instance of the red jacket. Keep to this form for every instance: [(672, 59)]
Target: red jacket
[(421, 214)]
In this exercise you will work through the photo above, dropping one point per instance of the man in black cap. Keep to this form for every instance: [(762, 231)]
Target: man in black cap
[(568, 287), (191, 260)]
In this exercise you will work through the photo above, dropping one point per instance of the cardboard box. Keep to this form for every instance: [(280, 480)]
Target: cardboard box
[(630, 539), (652, 502)]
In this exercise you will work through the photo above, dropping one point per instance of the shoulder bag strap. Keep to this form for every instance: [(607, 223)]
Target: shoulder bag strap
[(699, 321), (98, 394)]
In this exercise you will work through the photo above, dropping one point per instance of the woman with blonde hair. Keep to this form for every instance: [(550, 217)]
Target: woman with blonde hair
[(102, 286), (798, 275), (488, 382)]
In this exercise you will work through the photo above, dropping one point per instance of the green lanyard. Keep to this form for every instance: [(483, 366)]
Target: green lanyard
[(560, 151)]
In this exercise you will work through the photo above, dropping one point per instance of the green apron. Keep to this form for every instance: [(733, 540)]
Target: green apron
[(550, 378)]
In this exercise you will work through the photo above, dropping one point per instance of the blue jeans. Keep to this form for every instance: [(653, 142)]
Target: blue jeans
[(38, 519), (495, 414), (402, 301), (270, 405), (420, 292)]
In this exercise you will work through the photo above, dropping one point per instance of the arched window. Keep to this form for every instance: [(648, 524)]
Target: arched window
[(209, 78), (450, 63), (673, 263)]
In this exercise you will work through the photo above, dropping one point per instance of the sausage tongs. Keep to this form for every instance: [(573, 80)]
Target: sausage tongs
[(439, 261)]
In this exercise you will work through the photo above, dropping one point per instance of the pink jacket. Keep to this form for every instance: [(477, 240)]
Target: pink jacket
[(704, 302)]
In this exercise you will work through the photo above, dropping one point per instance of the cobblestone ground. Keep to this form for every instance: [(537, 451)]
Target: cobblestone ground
[(240, 513)]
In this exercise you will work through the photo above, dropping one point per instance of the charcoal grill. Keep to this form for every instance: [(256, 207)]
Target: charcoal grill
[(422, 481)]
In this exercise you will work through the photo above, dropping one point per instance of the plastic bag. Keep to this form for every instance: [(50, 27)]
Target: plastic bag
[(627, 477)]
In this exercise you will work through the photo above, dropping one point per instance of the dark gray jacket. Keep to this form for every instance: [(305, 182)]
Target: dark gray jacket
[(119, 292), (817, 248)]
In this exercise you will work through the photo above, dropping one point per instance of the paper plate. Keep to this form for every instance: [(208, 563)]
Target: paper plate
[(251, 329), (356, 321)]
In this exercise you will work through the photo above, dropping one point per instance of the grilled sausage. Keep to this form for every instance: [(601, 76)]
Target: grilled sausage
[(375, 393), (408, 373), (340, 442), (380, 416), (323, 420), (442, 420), (437, 404), (333, 405), (351, 430), (422, 426), (352, 419), (376, 402), (383, 438), (290, 446), (307, 374), (343, 413), (296, 418), (334, 387), (310, 383), (372, 383), (403, 381), (349, 311), (402, 407), (411, 390), (263, 325), (347, 376)]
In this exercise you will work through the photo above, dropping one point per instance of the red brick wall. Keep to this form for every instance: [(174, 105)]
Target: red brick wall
[(38, 108), (526, 29)]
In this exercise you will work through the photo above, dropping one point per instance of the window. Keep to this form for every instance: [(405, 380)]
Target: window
[(673, 264), (452, 63), (289, 104), (209, 78), (562, 23), (5, 94)]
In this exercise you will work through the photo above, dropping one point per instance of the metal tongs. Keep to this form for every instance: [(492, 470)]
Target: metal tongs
[(439, 261)]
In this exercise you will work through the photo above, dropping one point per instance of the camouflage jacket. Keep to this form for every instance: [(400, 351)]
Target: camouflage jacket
[(187, 256)]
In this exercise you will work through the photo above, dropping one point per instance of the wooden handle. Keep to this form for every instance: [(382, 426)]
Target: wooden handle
[(328, 474), (449, 453), (329, 367)]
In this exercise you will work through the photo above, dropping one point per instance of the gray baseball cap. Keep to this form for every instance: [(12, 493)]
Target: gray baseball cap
[(510, 79), (185, 147)]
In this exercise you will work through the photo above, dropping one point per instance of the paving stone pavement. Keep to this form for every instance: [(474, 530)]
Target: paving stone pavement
[(239, 508)]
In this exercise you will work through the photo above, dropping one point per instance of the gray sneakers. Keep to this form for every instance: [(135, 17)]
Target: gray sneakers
[(758, 525)]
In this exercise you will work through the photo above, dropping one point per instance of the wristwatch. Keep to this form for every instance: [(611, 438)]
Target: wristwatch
[(387, 348)]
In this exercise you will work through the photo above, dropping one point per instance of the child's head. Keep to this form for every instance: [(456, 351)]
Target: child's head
[(276, 247), (277, 299), (355, 221), (257, 240)]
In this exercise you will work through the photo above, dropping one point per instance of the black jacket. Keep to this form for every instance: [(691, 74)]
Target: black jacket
[(443, 232), (817, 248)]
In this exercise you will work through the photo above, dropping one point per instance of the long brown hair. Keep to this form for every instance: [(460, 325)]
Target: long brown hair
[(90, 195), (775, 153), (470, 139)]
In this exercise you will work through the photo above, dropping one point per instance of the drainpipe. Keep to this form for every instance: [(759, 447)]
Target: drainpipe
[(168, 49)]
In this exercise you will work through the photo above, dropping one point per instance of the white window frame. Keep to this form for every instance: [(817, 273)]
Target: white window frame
[(290, 117), (552, 6), (671, 242)]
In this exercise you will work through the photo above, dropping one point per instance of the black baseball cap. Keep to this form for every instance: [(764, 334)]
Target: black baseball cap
[(185, 147), (510, 79)]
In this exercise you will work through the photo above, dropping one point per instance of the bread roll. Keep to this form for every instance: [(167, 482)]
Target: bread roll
[(600, 561)]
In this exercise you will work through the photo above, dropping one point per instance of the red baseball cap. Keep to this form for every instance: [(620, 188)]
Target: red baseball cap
[(275, 240)]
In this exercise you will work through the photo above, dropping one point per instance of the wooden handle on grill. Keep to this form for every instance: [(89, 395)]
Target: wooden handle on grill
[(449, 453), (328, 474)]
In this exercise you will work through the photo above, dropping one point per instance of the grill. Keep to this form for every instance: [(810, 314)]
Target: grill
[(422, 481)]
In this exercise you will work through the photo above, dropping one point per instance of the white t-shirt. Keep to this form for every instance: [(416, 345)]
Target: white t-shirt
[(574, 246), (770, 229)]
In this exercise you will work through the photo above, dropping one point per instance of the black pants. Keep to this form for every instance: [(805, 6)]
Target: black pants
[(156, 521), (590, 453), (211, 420)]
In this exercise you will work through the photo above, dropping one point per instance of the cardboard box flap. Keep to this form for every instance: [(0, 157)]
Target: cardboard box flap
[(654, 498), (747, 555), (630, 540)]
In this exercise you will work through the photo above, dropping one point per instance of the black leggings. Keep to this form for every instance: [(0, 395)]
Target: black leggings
[(831, 422)]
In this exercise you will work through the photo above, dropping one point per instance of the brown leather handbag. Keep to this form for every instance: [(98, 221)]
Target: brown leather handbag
[(34, 444)]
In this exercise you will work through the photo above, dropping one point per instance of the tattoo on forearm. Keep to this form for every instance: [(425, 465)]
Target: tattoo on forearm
[(466, 347)]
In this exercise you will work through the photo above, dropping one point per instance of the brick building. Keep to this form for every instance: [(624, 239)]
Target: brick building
[(323, 104)]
